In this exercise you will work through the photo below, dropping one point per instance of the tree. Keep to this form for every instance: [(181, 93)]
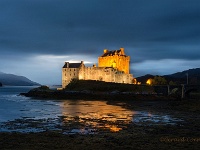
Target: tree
[(158, 80), (172, 83)]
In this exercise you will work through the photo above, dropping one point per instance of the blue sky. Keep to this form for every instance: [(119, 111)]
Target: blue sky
[(37, 36)]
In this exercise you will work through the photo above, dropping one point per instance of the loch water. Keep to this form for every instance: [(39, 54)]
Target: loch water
[(24, 114)]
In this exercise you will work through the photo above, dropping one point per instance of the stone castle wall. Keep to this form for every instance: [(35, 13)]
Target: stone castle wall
[(106, 74), (115, 61), (68, 74)]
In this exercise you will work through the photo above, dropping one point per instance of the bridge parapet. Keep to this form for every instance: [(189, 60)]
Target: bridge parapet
[(183, 89)]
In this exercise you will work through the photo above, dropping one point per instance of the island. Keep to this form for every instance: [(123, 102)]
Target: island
[(97, 90)]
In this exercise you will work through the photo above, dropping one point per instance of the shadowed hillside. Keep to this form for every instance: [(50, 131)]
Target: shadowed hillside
[(181, 77), (14, 80), (178, 78)]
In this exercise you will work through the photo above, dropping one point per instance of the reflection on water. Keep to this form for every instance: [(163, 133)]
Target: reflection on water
[(23, 114), (100, 115), (96, 114)]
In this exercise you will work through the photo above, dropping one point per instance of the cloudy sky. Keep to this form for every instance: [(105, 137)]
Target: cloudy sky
[(37, 36)]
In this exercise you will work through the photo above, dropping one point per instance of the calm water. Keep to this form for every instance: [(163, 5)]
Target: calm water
[(22, 114)]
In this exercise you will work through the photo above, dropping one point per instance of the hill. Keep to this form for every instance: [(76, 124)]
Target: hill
[(178, 78), (14, 80)]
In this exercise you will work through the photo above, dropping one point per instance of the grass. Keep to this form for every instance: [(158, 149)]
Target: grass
[(91, 85)]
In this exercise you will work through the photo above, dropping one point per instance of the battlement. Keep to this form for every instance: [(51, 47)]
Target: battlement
[(119, 52)]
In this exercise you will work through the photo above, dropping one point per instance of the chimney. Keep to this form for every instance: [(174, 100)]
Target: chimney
[(67, 64)]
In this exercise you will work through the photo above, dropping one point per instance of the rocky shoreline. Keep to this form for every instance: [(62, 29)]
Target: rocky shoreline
[(46, 93)]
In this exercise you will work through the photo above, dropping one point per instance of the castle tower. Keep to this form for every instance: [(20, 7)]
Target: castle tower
[(116, 59), (71, 71)]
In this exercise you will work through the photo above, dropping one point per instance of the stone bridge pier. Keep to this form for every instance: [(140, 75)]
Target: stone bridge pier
[(184, 90)]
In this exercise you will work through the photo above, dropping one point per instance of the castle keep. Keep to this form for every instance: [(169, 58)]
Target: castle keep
[(116, 59), (113, 66)]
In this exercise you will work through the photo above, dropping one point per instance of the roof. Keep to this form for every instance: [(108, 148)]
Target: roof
[(110, 53), (72, 65)]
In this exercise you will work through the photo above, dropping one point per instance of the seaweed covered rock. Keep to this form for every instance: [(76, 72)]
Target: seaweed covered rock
[(42, 91), (41, 88)]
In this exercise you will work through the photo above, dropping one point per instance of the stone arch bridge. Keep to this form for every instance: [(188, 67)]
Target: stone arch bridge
[(183, 89)]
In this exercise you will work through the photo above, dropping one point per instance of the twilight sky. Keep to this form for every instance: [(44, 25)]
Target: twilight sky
[(38, 36)]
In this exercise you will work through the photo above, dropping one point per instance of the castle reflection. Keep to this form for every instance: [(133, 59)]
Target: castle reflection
[(96, 114)]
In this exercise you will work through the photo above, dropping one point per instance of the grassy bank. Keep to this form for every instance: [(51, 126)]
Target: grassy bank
[(91, 85)]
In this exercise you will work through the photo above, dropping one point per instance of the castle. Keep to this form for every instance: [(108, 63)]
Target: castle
[(113, 66)]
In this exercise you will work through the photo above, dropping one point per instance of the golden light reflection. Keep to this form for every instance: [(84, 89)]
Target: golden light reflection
[(97, 114), (113, 128)]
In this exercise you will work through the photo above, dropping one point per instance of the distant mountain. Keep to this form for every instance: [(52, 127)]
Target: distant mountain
[(11, 79), (179, 77)]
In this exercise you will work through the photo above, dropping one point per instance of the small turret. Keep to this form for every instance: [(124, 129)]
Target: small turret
[(122, 51), (105, 51)]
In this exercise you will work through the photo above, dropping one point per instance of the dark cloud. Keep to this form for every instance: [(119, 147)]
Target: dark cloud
[(149, 30)]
